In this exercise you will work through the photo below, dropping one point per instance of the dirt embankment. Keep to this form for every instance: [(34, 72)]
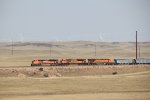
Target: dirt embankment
[(71, 70)]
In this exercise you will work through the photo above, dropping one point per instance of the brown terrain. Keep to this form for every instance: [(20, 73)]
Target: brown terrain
[(20, 81), (67, 71), (24, 53)]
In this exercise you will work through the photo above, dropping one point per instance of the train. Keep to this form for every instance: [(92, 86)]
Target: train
[(66, 62)]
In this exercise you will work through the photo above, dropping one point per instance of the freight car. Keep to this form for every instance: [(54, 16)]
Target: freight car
[(142, 61), (125, 61)]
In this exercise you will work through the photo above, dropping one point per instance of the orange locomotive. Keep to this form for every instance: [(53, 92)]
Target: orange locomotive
[(77, 61), (36, 63), (100, 61), (50, 62), (56, 62)]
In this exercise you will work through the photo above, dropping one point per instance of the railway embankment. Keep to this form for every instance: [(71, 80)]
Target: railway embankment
[(68, 71)]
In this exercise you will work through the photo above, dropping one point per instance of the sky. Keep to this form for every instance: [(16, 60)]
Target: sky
[(74, 20)]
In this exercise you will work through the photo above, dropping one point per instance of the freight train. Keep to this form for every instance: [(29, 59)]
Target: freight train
[(65, 62)]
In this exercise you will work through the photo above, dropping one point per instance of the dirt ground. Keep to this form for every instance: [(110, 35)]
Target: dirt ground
[(24, 53), (20, 81), (102, 87)]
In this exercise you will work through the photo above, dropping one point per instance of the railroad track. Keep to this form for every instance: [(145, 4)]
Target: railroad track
[(77, 66)]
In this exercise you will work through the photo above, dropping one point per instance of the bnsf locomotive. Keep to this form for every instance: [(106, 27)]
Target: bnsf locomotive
[(64, 62)]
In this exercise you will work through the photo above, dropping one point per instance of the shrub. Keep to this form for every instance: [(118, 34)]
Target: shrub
[(45, 74), (41, 69), (114, 73)]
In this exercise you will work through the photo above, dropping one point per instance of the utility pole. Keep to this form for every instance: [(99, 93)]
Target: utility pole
[(95, 49), (136, 44), (12, 48), (50, 50), (139, 52)]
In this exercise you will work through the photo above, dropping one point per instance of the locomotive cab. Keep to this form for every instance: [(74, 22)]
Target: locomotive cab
[(36, 63)]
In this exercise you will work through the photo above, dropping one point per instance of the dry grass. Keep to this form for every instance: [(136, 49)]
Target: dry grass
[(68, 71), (110, 87), (95, 96), (101, 87), (24, 53)]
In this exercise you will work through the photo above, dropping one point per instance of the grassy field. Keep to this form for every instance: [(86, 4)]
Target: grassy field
[(22, 83), (105, 87), (24, 53)]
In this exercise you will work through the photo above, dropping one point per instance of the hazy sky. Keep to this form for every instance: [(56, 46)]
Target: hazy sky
[(65, 20)]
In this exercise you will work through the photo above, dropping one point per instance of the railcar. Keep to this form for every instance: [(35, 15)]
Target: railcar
[(36, 63), (50, 62), (65, 62), (125, 61), (142, 61), (100, 62), (77, 61)]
